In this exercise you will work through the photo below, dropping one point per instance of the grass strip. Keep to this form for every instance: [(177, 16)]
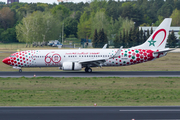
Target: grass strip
[(110, 91)]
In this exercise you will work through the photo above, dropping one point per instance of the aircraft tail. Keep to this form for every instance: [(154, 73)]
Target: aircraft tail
[(159, 37)]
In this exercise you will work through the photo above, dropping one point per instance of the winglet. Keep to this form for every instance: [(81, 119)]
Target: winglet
[(117, 53), (105, 46)]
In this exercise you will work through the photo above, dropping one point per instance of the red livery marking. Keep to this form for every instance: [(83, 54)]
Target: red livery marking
[(119, 60), (138, 59), (129, 52), (131, 60), (119, 57), (20, 60), (137, 55), (163, 30), (116, 59)]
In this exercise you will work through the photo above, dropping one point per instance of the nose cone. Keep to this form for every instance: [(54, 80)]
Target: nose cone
[(6, 61)]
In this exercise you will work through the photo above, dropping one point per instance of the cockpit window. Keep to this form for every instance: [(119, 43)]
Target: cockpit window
[(12, 56)]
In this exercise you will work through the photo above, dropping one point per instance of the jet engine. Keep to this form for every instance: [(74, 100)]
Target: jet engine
[(71, 66)]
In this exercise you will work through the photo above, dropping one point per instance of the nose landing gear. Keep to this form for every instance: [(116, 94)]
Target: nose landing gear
[(88, 70)]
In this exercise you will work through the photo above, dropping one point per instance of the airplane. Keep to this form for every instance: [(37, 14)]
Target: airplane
[(76, 59)]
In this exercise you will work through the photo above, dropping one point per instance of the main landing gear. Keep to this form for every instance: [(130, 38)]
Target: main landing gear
[(88, 70), (20, 70)]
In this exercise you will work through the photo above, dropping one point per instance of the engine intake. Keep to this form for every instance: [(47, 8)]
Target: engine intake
[(71, 66)]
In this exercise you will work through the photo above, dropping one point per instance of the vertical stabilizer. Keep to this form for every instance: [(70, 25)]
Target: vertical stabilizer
[(159, 37)]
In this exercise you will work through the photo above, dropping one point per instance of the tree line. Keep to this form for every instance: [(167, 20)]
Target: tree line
[(23, 22)]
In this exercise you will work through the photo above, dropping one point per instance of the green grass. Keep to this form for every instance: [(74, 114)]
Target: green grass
[(111, 91)]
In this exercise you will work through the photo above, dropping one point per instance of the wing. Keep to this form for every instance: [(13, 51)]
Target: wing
[(93, 62)]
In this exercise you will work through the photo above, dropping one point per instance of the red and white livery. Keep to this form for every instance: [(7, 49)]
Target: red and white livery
[(76, 59)]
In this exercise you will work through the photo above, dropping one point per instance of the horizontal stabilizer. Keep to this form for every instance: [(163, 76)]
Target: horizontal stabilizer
[(163, 51)]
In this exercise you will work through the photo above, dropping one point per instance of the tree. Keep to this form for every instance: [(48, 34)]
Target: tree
[(95, 39), (141, 36), (8, 36), (38, 27), (117, 42), (165, 10), (6, 18), (124, 38), (160, 19), (121, 41), (175, 18), (172, 40), (70, 26), (102, 39), (60, 12), (99, 21), (148, 34), (177, 5), (84, 26)]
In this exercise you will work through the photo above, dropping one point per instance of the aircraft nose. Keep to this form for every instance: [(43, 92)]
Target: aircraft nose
[(6, 61)]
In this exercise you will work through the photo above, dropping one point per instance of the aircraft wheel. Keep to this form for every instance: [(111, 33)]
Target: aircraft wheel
[(20, 70), (88, 70)]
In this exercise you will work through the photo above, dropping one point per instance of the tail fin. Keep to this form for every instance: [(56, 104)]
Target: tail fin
[(159, 37)]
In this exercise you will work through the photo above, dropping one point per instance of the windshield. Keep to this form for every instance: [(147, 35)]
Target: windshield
[(12, 56)]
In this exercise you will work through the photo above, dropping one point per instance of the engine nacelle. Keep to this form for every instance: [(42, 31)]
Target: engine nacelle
[(71, 66)]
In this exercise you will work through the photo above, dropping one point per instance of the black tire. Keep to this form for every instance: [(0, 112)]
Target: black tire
[(20, 70), (86, 70), (89, 70)]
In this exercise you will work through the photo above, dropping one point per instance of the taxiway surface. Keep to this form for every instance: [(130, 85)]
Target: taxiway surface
[(94, 74), (89, 113)]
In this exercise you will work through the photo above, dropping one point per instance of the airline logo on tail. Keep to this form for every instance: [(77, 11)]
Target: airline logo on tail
[(152, 42)]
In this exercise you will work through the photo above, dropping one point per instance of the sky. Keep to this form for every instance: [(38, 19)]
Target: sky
[(47, 1)]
